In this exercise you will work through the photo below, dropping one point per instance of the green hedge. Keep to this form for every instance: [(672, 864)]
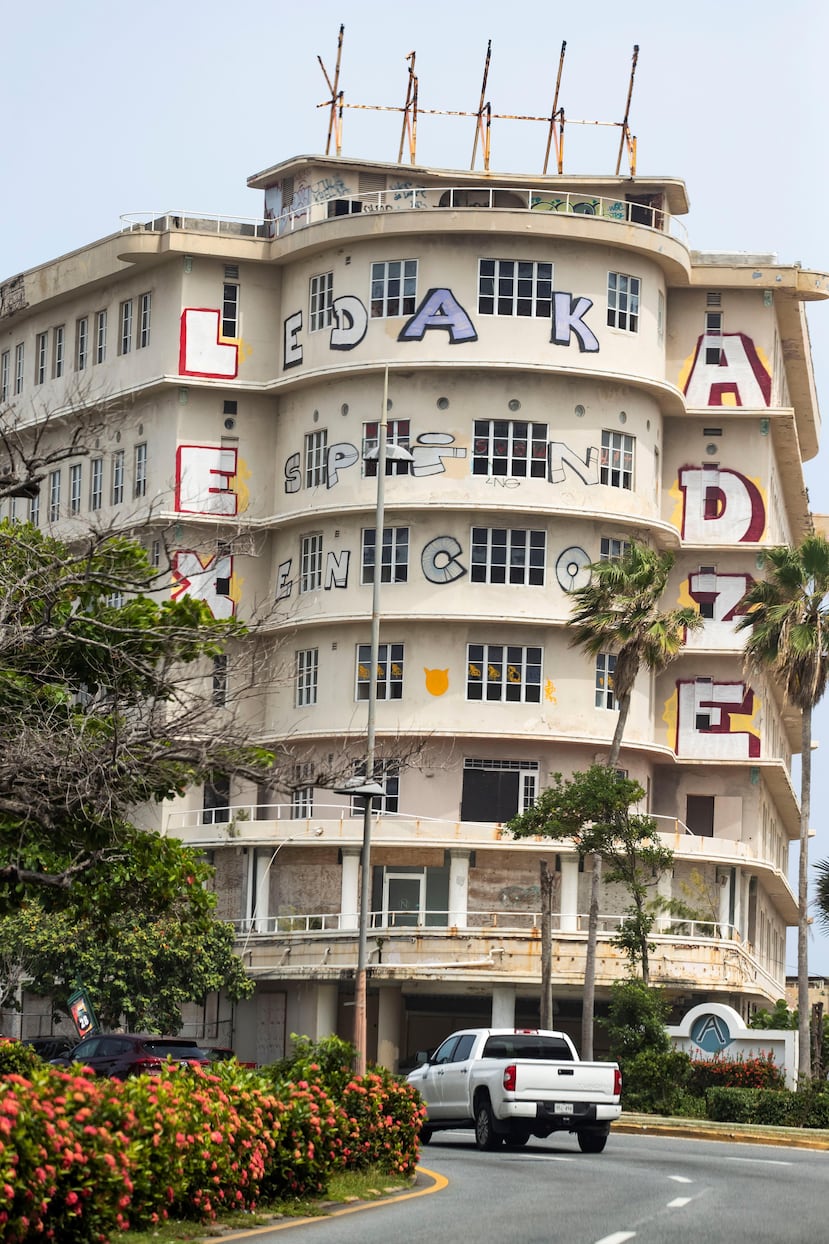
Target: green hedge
[(771, 1107)]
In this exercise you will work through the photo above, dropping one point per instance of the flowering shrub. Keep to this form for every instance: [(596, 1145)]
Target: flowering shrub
[(81, 1158), (758, 1072), (385, 1116)]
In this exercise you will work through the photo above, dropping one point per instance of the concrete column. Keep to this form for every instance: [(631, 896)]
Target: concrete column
[(738, 902), (458, 888), (389, 1026), (503, 1006), (664, 889), (326, 1025), (725, 895), (569, 893), (349, 888), (260, 887)]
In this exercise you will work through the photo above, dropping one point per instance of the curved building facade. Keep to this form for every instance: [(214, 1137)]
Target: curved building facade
[(566, 375)]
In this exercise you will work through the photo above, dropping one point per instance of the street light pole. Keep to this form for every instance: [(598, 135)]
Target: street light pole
[(368, 788)]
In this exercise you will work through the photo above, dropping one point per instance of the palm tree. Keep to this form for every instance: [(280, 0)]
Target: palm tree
[(788, 621), (618, 613)]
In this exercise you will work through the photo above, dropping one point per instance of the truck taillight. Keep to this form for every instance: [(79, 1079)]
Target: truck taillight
[(509, 1078), (617, 1083)]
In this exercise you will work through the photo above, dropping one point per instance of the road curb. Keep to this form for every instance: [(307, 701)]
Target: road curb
[(705, 1129)]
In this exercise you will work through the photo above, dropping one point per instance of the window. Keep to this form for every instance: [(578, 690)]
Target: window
[(699, 815), (155, 553), (118, 477), (41, 354), (5, 371), (503, 672), (509, 447), (144, 308), (58, 337), (141, 470), (216, 800), (34, 510), (220, 680), (230, 310), (506, 555), (713, 337), (394, 560), (316, 455), (660, 317), (310, 563), (605, 665), (75, 481), (393, 288), (307, 671), (387, 773), (389, 673), (96, 483), (616, 468), (623, 301), (611, 549), (100, 336), (321, 298), (81, 343), (302, 803), (515, 287), (494, 790), (18, 367), (125, 319), (397, 433), (54, 496)]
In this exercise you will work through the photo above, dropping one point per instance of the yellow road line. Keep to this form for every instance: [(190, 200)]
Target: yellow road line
[(440, 1182)]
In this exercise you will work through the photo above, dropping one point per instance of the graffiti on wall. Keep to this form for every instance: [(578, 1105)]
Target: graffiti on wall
[(202, 349), (713, 720), (438, 311), (430, 452), (437, 681), (718, 597), (719, 505), (739, 377), (205, 478), (208, 579)]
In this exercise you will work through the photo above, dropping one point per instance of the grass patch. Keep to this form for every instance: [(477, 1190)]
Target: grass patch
[(345, 1188)]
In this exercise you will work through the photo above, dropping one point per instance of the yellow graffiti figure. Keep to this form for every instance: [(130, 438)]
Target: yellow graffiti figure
[(550, 691), (437, 681)]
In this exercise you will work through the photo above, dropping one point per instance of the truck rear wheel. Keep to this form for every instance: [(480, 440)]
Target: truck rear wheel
[(485, 1135), (592, 1142)]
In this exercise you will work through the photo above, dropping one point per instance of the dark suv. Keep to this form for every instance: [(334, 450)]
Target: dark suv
[(121, 1054)]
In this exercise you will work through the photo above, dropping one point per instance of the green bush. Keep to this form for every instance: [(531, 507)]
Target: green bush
[(657, 1082), (770, 1107), (17, 1058), (328, 1062)]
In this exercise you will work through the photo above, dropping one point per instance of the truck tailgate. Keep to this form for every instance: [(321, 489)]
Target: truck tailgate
[(582, 1081)]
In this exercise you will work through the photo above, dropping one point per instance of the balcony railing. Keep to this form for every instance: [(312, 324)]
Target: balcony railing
[(418, 198), (502, 921)]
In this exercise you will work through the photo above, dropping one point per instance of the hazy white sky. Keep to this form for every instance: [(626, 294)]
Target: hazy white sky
[(111, 110)]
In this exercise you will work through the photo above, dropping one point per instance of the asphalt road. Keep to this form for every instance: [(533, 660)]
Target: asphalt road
[(647, 1189)]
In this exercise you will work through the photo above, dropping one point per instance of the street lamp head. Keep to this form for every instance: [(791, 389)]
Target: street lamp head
[(359, 786), (394, 453)]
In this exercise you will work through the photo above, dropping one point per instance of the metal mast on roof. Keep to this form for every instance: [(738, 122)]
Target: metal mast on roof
[(483, 115)]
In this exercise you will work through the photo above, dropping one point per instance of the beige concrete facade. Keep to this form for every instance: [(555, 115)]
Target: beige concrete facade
[(568, 375)]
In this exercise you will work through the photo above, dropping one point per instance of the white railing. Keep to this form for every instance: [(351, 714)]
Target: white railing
[(417, 198), (476, 922)]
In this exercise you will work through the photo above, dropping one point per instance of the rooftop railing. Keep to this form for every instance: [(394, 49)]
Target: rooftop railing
[(310, 211)]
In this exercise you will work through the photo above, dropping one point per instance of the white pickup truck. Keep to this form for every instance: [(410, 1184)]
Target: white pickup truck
[(513, 1083)]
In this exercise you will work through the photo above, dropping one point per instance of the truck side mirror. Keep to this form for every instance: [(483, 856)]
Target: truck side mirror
[(423, 1056)]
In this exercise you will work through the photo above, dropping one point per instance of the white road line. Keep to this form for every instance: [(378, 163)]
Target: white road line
[(618, 1237), (761, 1161), (680, 1179), (679, 1202)]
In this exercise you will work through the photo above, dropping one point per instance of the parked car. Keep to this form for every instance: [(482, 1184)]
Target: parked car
[(51, 1047), (221, 1054), (122, 1054)]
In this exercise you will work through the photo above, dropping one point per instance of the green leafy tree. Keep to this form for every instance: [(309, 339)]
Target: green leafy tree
[(618, 613), (104, 705), (787, 623), (655, 1076), (593, 810), (143, 940)]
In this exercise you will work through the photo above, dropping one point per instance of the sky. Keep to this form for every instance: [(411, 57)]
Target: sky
[(113, 110)]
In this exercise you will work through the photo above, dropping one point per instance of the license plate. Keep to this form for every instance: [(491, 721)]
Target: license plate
[(563, 1107)]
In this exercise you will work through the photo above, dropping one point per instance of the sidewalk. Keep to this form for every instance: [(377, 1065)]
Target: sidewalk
[(705, 1129)]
